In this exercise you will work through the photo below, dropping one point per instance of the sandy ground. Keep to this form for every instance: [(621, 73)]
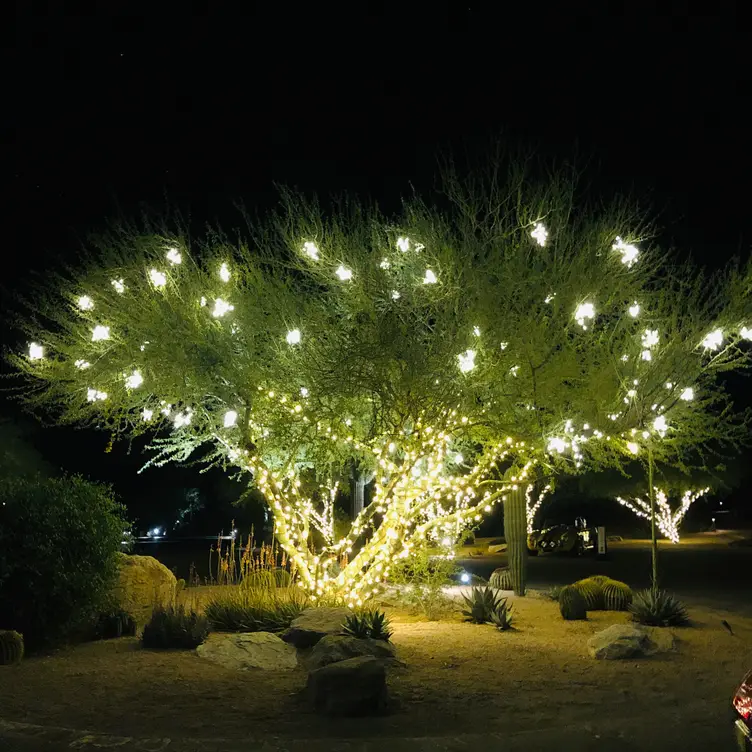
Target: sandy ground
[(458, 678)]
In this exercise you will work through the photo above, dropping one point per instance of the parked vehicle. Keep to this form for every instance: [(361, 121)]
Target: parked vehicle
[(742, 704), (574, 539)]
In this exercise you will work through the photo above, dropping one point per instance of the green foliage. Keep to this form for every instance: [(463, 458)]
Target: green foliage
[(114, 623), (572, 604), (501, 617), (282, 578), (175, 627), (11, 647), (616, 595), (591, 590), (482, 604), (242, 609), (501, 578), (420, 582), (368, 623), (59, 539), (657, 608)]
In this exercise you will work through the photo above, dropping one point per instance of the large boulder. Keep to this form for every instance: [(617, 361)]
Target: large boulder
[(356, 686), (314, 624), (143, 583), (249, 650), (335, 648), (620, 641)]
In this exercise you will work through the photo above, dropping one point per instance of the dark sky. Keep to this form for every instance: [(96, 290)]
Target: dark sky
[(111, 104)]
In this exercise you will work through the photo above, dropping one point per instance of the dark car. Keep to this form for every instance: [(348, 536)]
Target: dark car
[(742, 703), (570, 539)]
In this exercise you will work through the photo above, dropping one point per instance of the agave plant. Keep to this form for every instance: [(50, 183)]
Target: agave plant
[(482, 603), (501, 618), (657, 608), (368, 623)]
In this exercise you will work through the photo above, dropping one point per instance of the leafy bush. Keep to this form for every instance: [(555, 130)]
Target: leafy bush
[(58, 543), (242, 609), (368, 623), (421, 580), (501, 618), (482, 603), (616, 595), (572, 604), (657, 608), (175, 627), (11, 647)]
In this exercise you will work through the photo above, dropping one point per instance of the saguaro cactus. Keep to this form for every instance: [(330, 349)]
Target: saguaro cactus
[(515, 532)]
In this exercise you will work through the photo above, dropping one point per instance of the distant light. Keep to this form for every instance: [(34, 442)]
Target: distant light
[(174, 257), (134, 380), (467, 361), (100, 333), (634, 310), (688, 394), (465, 577), (224, 272), (311, 250), (293, 337), (119, 285), (344, 273), (403, 244), (629, 252), (36, 352), (158, 279), (540, 234), (429, 278), (231, 418), (634, 448), (221, 307), (713, 340), (85, 303)]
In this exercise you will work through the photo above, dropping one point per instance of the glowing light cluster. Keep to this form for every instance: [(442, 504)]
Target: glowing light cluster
[(230, 419), (344, 273), (667, 519), (36, 351), (713, 340), (583, 313), (746, 333), (94, 395), (539, 234), (224, 272), (429, 278), (85, 303), (532, 507), (467, 361), (629, 252), (311, 250), (100, 333), (119, 285), (174, 257), (221, 307), (634, 310), (293, 337), (157, 278), (134, 380)]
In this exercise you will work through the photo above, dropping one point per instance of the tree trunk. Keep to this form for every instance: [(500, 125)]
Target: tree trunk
[(653, 536), (515, 532), (359, 493)]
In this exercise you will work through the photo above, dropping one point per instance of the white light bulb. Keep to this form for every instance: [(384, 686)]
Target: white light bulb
[(660, 425), (384, 264), (634, 310), (119, 285), (650, 338), (224, 272), (134, 380), (36, 352), (344, 273), (540, 234), (174, 257), (396, 295), (158, 279), (583, 312), (550, 297), (221, 307), (713, 340), (745, 332), (100, 333), (303, 391), (231, 418), (430, 278), (94, 395), (403, 244), (147, 414), (293, 337), (631, 393), (82, 364), (182, 419), (556, 444), (688, 394), (392, 447), (458, 458), (634, 448), (311, 250), (504, 345), (476, 331), (646, 355), (629, 253), (467, 361), (85, 303)]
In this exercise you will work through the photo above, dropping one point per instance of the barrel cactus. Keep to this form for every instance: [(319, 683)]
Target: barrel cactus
[(282, 577), (11, 647), (601, 579), (572, 604), (617, 596), (261, 579), (592, 591), (501, 579)]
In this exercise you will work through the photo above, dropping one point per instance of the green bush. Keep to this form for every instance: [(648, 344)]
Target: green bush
[(368, 623), (240, 609), (572, 604), (58, 543), (616, 595), (420, 582), (11, 647), (657, 608), (501, 618), (175, 627), (482, 603)]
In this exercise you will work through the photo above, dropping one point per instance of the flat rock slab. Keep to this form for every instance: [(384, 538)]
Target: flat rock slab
[(335, 648), (246, 651), (314, 624), (620, 641), (356, 686)]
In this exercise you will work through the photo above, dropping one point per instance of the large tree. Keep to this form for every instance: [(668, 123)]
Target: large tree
[(454, 355)]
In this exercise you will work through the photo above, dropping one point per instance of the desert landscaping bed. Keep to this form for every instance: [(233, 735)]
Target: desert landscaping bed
[(456, 678)]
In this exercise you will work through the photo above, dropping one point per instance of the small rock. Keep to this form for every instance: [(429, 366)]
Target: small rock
[(356, 686), (662, 640), (499, 548), (620, 641), (314, 624), (335, 648), (249, 650)]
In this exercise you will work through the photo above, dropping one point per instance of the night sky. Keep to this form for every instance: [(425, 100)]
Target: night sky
[(109, 106)]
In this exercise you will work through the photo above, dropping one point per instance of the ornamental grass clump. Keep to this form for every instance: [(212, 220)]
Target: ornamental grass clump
[(246, 609), (175, 627)]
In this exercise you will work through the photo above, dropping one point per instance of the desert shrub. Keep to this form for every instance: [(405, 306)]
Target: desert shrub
[(242, 609), (481, 604), (501, 618), (501, 578), (591, 590), (59, 539), (261, 579), (616, 595), (11, 647), (657, 608), (420, 582), (114, 623), (282, 578), (572, 604), (175, 627), (369, 622)]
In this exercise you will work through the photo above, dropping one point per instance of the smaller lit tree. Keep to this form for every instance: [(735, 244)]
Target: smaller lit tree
[(533, 503)]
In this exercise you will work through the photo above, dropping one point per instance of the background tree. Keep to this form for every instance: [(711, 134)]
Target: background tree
[(457, 355)]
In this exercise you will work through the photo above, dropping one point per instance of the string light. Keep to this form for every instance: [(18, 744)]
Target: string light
[(647, 355), (100, 333), (119, 285), (467, 361), (713, 340), (556, 444), (303, 391), (311, 250), (666, 519), (633, 448), (344, 273), (745, 333), (660, 425), (476, 331), (396, 295), (629, 252), (147, 414), (293, 337), (429, 278), (583, 312), (85, 303), (94, 395), (650, 338), (403, 244), (221, 307), (182, 419), (81, 364), (385, 264), (688, 394), (224, 272), (634, 310), (540, 234), (174, 257), (158, 279), (134, 380), (36, 351), (231, 419), (550, 297)]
